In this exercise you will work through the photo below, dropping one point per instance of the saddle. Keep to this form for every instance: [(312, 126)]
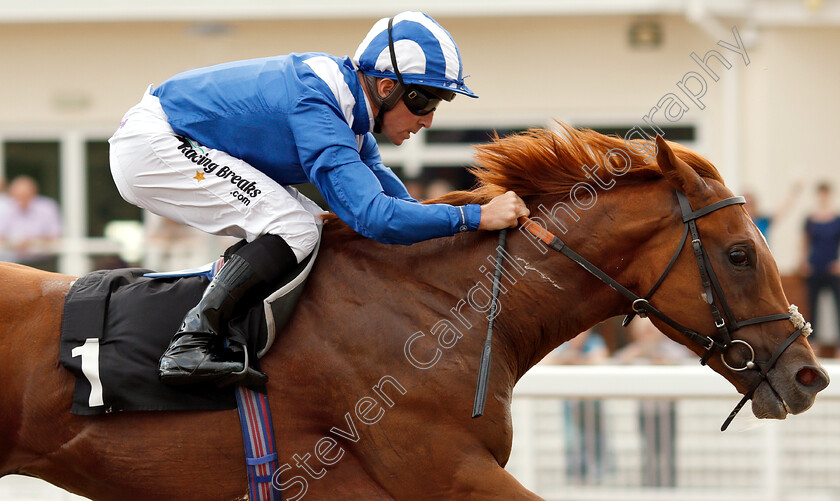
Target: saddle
[(117, 324)]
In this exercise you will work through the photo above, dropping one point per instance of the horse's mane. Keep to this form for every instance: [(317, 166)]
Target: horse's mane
[(545, 162)]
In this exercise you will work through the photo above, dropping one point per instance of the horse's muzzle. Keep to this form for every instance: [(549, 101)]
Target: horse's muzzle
[(789, 390)]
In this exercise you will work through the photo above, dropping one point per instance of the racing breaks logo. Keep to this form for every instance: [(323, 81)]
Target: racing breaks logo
[(247, 190)]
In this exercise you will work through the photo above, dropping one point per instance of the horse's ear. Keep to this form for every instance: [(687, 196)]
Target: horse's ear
[(679, 173)]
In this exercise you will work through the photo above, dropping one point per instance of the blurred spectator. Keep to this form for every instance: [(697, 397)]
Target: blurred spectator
[(438, 188), (5, 200), (820, 267), (588, 347), (415, 188), (765, 220), (587, 458), (648, 345), (30, 226), (170, 246), (657, 418)]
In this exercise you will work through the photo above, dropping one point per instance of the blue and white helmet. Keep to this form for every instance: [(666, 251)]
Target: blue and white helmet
[(425, 53)]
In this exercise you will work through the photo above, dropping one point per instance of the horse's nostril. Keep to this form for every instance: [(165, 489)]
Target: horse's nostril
[(808, 376)]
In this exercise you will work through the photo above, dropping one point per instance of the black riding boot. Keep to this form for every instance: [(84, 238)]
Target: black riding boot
[(193, 355)]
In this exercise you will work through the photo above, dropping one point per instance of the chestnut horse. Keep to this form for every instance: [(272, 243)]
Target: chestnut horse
[(373, 379)]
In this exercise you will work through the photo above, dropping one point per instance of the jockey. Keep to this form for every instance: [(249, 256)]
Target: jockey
[(216, 148)]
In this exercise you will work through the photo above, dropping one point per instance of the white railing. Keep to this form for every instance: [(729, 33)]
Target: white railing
[(579, 434), (74, 254)]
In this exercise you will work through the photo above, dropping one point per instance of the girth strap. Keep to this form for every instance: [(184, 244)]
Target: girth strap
[(258, 438)]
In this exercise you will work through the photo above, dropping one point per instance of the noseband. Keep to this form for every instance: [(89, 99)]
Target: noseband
[(725, 320)]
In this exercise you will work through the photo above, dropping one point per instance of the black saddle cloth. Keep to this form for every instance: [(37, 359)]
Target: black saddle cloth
[(120, 323)]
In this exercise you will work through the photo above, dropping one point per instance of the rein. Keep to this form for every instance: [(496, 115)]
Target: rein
[(725, 321), (487, 353)]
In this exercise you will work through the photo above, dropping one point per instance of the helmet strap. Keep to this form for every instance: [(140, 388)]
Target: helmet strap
[(377, 120), (384, 104), (388, 102)]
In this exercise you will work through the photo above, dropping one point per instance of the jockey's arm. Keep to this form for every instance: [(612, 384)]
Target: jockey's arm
[(391, 184), (502, 211), (355, 195), (332, 161)]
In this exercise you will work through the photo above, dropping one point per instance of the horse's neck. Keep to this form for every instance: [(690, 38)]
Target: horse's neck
[(558, 299), (545, 299), (555, 300)]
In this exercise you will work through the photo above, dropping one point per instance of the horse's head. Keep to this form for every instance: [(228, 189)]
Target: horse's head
[(725, 286), (664, 231)]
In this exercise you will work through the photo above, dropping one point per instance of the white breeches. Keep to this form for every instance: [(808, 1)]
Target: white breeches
[(179, 179)]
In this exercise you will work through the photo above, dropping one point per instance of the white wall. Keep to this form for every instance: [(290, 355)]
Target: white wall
[(764, 125)]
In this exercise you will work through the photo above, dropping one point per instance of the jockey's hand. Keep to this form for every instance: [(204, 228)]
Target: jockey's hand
[(502, 212)]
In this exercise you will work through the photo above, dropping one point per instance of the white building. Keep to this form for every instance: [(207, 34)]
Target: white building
[(73, 68)]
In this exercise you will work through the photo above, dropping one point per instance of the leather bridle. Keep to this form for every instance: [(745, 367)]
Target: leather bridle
[(724, 319)]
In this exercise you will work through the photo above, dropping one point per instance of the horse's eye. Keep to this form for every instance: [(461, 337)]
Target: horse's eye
[(739, 257)]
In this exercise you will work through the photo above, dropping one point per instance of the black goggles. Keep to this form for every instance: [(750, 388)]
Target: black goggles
[(420, 101)]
